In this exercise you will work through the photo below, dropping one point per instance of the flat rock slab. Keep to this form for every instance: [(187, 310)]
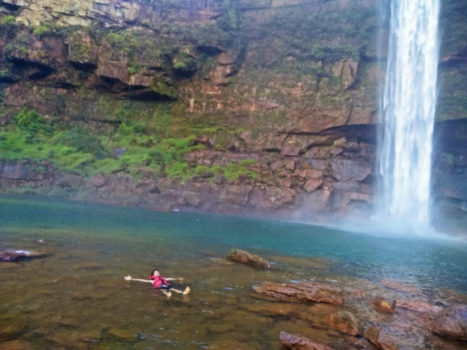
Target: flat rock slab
[(296, 342), (304, 292), (450, 322), (10, 255), (247, 258), (380, 339)]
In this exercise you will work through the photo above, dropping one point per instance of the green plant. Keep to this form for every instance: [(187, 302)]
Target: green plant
[(32, 121), (8, 20), (82, 141)]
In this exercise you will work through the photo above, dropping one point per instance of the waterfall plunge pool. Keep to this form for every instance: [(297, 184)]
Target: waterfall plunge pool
[(76, 296)]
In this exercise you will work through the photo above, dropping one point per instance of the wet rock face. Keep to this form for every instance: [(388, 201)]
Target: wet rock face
[(296, 342), (308, 100), (301, 292)]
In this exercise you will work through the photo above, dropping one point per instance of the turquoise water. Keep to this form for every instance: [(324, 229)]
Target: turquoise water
[(425, 263), (76, 298)]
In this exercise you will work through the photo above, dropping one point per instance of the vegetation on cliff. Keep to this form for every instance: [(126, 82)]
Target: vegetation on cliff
[(131, 148)]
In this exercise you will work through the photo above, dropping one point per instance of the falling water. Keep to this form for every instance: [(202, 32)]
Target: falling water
[(408, 106)]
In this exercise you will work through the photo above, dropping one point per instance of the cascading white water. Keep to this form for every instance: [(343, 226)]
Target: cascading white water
[(408, 109)]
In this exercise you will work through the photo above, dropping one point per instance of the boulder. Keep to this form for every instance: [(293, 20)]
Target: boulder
[(10, 255), (344, 322), (303, 292), (247, 258), (382, 305), (450, 322), (380, 339), (297, 342)]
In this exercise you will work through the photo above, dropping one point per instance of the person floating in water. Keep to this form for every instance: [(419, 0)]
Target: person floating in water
[(161, 283)]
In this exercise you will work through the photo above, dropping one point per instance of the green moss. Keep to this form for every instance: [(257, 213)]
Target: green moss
[(164, 89), (46, 29), (8, 20)]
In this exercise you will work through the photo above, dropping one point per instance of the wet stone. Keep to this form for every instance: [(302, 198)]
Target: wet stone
[(301, 292), (449, 323), (382, 305), (380, 339), (297, 342), (344, 322), (247, 258), (417, 306)]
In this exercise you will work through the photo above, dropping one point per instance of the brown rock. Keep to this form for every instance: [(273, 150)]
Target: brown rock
[(449, 323), (291, 150), (296, 342), (382, 305), (301, 292), (350, 169), (418, 306), (98, 180), (290, 165), (244, 257), (380, 339), (344, 322), (312, 184), (403, 287)]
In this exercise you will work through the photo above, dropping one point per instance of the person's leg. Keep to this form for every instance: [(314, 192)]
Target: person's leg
[(184, 292), (167, 292)]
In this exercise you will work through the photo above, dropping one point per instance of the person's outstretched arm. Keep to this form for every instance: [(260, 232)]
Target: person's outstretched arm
[(174, 278), (129, 278)]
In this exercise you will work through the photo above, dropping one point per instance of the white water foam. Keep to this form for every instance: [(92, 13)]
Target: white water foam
[(408, 109)]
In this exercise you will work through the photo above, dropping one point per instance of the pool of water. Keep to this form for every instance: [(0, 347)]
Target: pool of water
[(76, 296)]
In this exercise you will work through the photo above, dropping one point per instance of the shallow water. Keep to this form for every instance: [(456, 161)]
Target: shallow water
[(76, 296)]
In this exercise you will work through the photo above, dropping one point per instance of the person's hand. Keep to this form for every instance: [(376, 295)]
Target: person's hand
[(180, 278), (127, 277)]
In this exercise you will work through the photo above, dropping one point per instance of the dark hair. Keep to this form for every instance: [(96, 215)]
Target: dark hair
[(152, 273)]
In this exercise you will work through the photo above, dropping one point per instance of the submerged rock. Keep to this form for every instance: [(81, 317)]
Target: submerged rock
[(296, 342), (11, 255), (418, 306), (382, 305), (450, 323), (247, 258), (380, 339), (344, 322), (301, 292)]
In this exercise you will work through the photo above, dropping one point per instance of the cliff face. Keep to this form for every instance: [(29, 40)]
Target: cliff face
[(274, 98)]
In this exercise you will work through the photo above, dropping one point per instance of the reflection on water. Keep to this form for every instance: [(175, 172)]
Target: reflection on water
[(76, 297)]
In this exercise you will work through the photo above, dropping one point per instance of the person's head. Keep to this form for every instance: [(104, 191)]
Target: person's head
[(155, 273)]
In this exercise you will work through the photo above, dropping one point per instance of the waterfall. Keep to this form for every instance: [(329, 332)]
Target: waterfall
[(408, 106)]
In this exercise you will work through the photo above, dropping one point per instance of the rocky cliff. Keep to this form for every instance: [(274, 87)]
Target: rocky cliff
[(242, 106)]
